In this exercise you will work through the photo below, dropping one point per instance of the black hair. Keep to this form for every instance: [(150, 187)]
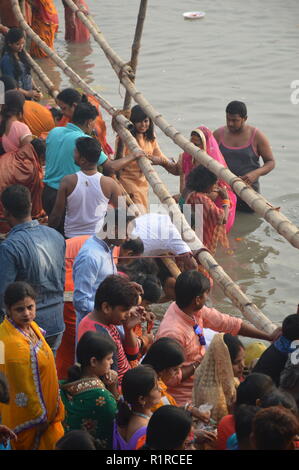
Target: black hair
[(91, 344), (18, 291), (164, 353), (290, 327), (56, 113), (39, 146), (233, 345), (200, 179), (279, 398), (189, 285), (289, 378), (16, 200), (14, 102), (140, 265), (4, 390), (137, 382), (89, 148), (13, 36), (244, 416), (254, 387), (135, 245), (138, 115), (152, 289), (83, 113), (9, 82), (237, 107), (168, 428), (116, 291), (76, 440), (71, 96)]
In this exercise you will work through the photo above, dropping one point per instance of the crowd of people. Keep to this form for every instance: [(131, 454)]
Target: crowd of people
[(86, 364)]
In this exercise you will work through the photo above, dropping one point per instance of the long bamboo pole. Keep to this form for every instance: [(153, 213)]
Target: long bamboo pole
[(52, 89), (232, 290), (133, 62), (257, 202)]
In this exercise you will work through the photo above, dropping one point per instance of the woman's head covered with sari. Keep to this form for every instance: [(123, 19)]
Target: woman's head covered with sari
[(214, 380), (209, 143)]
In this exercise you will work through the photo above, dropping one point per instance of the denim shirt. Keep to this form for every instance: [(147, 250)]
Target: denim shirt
[(92, 265), (36, 254)]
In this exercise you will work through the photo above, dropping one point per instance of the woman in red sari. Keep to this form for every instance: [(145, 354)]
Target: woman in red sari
[(45, 24), (75, 30)]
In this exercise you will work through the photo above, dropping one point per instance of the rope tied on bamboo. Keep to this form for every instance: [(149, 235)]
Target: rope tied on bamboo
[(126, 69)]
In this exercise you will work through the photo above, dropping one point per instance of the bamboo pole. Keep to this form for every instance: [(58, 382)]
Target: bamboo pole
[(65, 68), (52, 89), (257, 202), (134, 59), (232, 290)]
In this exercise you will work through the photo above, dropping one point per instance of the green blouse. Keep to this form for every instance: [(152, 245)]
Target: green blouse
[(91, 407)]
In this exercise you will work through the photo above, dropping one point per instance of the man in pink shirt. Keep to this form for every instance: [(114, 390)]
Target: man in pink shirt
[(185, 320)]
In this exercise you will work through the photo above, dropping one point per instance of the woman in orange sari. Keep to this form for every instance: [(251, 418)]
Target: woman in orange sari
[(75, 30), (35, 411), (68, 99), (45, 24)]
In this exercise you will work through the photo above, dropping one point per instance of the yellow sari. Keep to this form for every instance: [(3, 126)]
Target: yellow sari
[(35, 410)]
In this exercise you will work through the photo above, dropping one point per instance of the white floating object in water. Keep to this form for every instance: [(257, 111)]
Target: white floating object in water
[(194, 15)]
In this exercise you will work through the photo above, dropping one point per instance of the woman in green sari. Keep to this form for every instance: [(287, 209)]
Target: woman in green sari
[(89, 405)]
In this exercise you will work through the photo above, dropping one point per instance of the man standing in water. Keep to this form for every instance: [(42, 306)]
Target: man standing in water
[(242, 146)]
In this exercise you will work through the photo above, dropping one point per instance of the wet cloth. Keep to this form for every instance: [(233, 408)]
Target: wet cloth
[(22, 167), (45, 24), (33, 388), (89, 406), (75, 30), (61, 143), (132, 178), (24, 80), (135, 442), (35, 254), (38, 118), (210, 146), (12, 141), (178, 325), (214, 380)]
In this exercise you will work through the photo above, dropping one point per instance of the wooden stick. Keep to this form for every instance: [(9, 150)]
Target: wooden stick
[(232, 290), (257, 202), (134, 58)]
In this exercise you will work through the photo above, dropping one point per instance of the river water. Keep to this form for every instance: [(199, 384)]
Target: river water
[(189, 71)]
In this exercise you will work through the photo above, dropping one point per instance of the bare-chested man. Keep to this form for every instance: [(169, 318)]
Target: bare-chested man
[(242, 146)]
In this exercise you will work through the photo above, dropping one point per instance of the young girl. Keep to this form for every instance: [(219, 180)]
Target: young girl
[(200, 192), (131, 177), (14, 134), (140, 393), (88, 404), (14, 64)]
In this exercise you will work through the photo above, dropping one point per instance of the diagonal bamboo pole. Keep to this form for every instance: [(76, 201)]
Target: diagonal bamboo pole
[(52, 89), (133, 62), (232, 290), (257, 202)]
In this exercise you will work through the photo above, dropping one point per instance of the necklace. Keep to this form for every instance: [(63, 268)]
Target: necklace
[(141, 415)]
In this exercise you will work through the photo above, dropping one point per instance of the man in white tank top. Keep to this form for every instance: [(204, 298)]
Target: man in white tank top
[(85, 195)]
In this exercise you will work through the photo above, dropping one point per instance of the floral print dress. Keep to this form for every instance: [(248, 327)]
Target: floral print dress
[(89, 406)]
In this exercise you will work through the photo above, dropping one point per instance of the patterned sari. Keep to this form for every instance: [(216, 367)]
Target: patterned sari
[(35, 410), (210, 146), (45, 24), (90, 407)]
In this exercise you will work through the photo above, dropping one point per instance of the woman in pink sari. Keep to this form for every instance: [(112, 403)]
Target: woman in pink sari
[(203, 138)]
